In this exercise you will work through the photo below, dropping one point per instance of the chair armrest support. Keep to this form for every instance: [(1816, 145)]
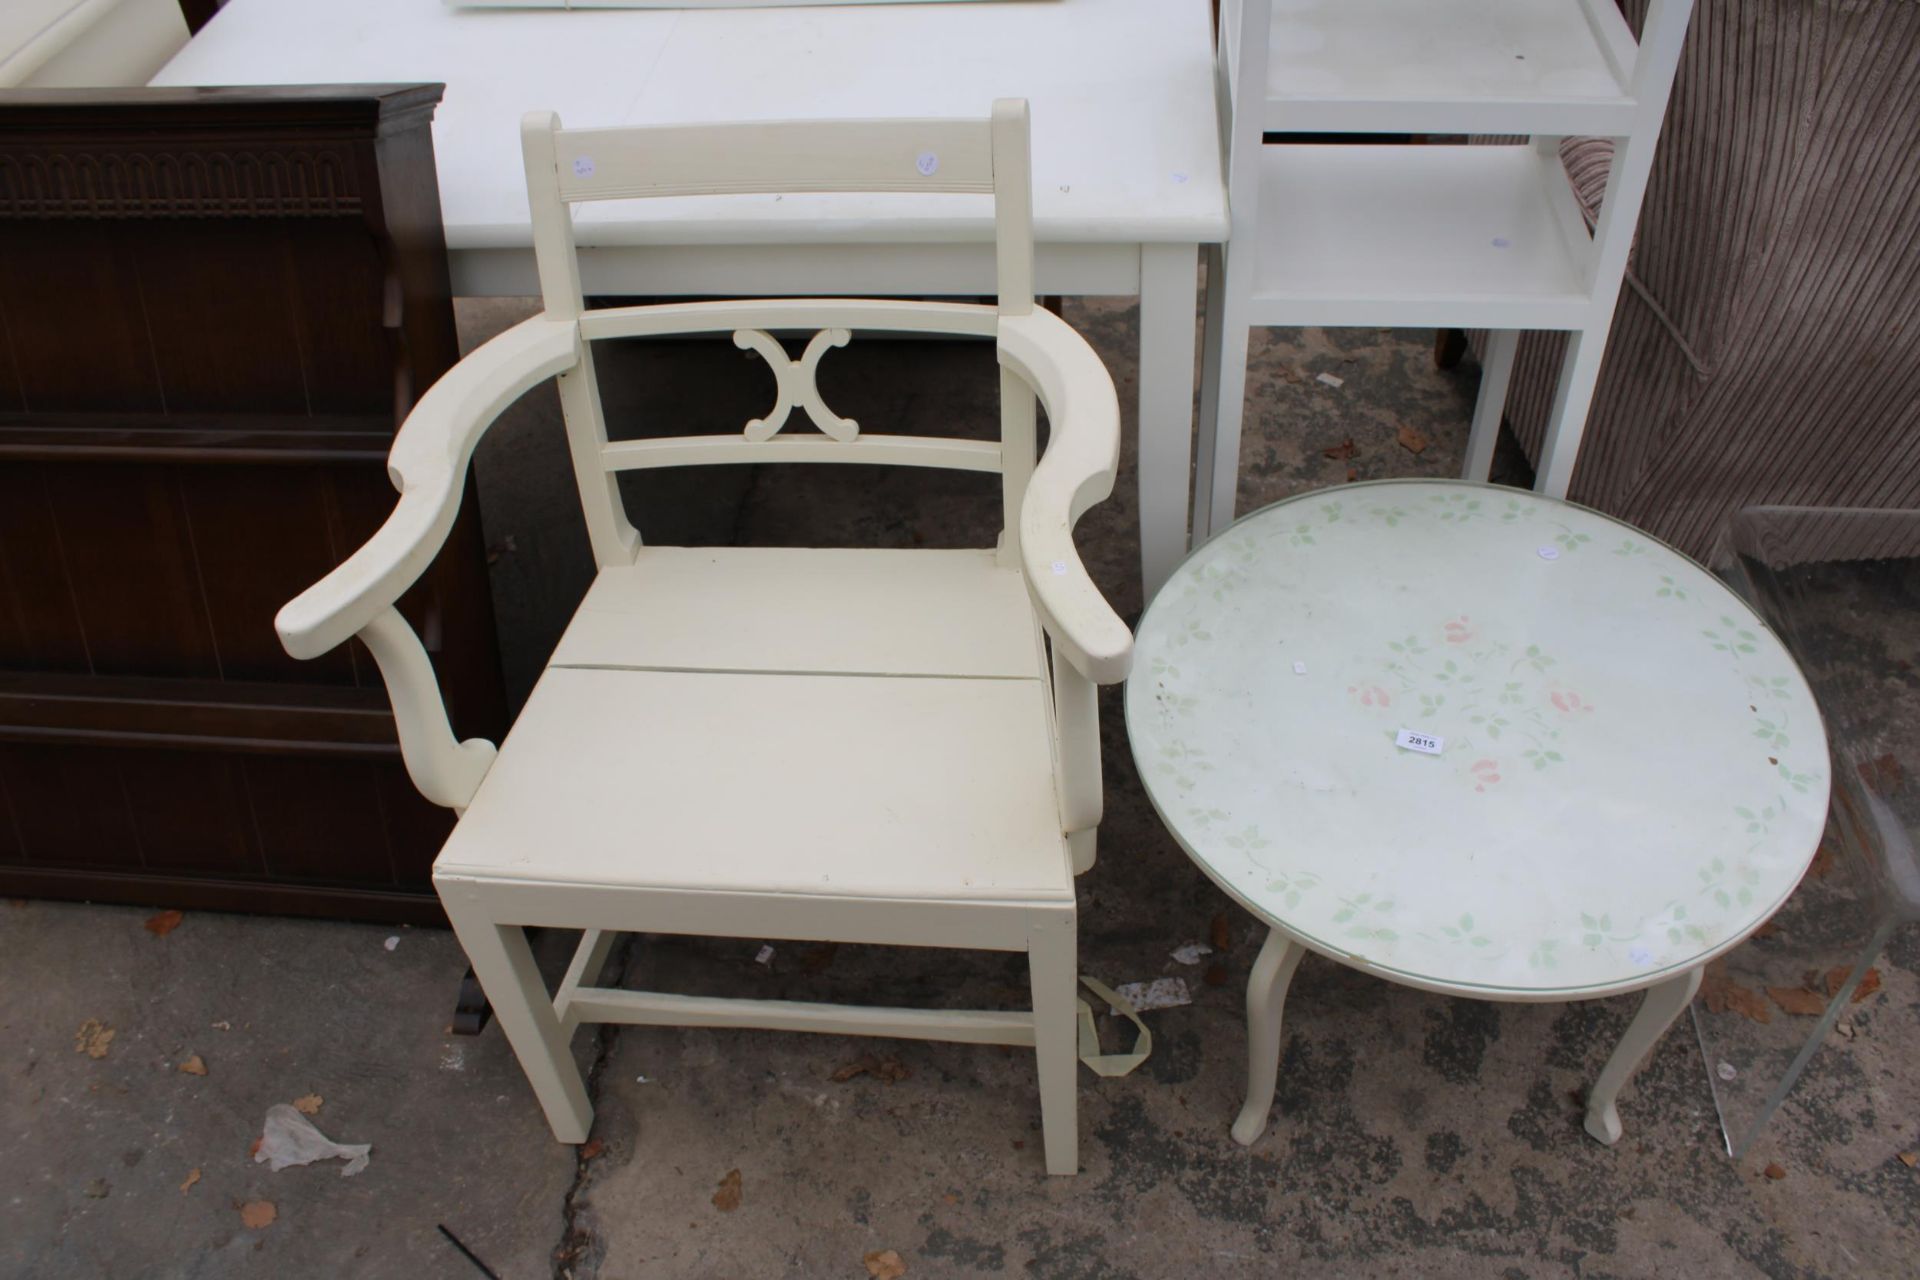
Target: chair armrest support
[(1083, 452), (428, 465), (445, 770)]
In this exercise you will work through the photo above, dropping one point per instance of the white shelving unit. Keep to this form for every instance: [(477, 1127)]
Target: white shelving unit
[(1418, 236)]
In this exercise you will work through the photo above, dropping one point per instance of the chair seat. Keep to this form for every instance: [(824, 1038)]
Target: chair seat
[(867, 786), (850, 612)]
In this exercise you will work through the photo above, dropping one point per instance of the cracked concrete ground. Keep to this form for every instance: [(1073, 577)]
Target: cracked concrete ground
[(1412, 1134)]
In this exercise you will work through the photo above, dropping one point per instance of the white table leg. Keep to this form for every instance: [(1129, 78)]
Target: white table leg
[(1167, 324), (1266, 998), (1658, 1008), (1496, 372), (1223, 394), (1567, 421)]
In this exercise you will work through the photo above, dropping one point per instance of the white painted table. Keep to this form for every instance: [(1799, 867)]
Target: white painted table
[(1632, 774), (1126, 154)]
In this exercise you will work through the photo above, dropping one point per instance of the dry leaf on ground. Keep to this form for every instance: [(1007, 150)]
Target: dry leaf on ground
[(885, 1070), (309, 1105), (93, 1038), (1799, 1001), (98, 1189), (1747, 1003), (1340, 452), (193, 1176), (1722, 995), (1775, 1172), (258, 1213), (164, 923), (591, 1149), (1411, 439), (1215, 976), (1822, 865), (1220, 933), (727, 1198), (1836, 978), (885, 1264), (1882, 772), (1910, 1158), (818, 958), (195, 1065)]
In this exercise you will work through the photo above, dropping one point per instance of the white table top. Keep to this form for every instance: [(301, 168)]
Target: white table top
[(1125, 143), (1633, 774)]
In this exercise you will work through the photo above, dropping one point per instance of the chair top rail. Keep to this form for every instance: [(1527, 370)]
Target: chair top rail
[(773, 157)]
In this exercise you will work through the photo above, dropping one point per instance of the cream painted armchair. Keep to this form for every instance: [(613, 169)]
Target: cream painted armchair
[(891, 747)]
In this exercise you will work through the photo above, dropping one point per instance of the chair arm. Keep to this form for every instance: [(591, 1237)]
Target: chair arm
[(428, 465), (1083, 451)]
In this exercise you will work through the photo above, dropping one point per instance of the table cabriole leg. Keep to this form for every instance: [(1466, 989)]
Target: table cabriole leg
[(1658, 1009), (1267, 987)]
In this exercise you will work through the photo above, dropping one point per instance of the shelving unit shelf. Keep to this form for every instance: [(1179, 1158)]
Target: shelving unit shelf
[(1486, 237), (1449, 66)]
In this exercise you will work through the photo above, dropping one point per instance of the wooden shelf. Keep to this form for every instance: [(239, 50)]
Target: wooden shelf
[(1416, 236), (1449, 66), (289, 438)]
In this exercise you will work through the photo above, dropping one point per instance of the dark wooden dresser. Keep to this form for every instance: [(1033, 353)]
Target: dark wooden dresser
[(215, 308)]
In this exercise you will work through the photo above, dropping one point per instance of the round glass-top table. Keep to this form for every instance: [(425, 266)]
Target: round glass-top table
[(1479, 742)]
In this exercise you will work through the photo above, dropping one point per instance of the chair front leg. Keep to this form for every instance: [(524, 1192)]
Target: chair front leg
[(1053, 963), (504, 963)]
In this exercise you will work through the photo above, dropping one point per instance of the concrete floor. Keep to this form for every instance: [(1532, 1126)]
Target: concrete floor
[(1412, 1135)]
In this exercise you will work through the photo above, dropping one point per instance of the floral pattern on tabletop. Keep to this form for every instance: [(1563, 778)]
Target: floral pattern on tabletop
[(1631, 773)]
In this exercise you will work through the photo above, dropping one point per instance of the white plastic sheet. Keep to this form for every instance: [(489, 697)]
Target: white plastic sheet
[(289, 1138)]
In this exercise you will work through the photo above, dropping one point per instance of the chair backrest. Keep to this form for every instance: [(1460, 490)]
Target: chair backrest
[(571, 166)]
